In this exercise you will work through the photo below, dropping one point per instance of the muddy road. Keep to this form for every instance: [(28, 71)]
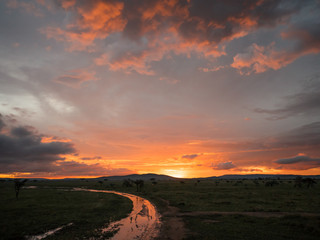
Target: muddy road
[(142, 223)]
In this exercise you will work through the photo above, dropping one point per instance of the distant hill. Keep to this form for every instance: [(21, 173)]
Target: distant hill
[(256, 176), (230, 176), (145, 177), (158, 177)]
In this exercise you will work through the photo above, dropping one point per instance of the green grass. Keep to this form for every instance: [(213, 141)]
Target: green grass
[(226, 196), (50, 206), (41, 209), (251, 228)]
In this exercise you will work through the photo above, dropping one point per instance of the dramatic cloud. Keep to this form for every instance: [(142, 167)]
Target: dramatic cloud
[(258, 59), (164, 86), (155, 29), (302, 162), (224, 166), (23, 151)]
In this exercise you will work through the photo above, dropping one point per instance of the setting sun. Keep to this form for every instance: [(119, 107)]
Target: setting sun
[(175, 173)]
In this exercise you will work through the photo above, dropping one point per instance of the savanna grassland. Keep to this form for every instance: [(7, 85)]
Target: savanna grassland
[(238, 209), (51, 205), (190, 209)]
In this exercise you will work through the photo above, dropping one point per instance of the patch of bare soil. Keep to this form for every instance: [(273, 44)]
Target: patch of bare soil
[(173, 226)]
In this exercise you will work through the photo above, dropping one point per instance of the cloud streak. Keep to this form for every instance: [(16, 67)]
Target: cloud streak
[(190, 156), (301, 162), (224, 166), (306, 102)]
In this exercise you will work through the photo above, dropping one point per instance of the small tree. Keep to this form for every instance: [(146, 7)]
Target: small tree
[(139, 183), (18, 185), (309, 182)]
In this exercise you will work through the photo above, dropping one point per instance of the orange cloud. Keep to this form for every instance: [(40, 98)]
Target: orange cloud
[(101, 18), (157, 29), (96, 22), (258, 59)]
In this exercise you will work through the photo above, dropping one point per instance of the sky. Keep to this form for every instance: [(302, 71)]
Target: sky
[(186, 88)]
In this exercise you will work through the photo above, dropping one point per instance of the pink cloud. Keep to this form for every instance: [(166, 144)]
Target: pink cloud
[(76, 77), (258, 59), (95, 22)]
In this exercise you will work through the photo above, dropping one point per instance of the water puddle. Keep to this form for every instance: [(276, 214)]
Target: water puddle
[(142, 223), (30, 187), (46, 234)]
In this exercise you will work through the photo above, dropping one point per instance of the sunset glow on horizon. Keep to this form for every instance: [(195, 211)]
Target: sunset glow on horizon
[(184, 88)]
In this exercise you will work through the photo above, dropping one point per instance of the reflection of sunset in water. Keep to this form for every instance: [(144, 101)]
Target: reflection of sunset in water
[(142, 223)]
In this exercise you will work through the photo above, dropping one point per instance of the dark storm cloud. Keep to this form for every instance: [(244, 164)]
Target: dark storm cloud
[(21, 132), (22, 150), (190, 156), (306, 102)]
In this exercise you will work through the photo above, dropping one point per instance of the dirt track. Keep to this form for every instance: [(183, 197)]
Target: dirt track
[(142, 223)]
